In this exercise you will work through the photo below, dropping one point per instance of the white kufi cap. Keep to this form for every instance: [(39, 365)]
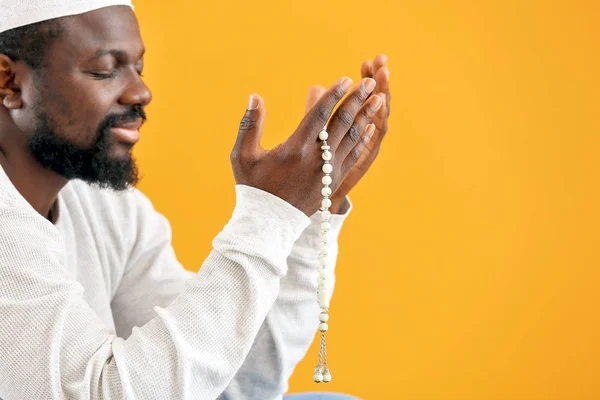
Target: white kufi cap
[(17, 13)]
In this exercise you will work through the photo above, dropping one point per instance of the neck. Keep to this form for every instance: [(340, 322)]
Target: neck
[(38, 185)]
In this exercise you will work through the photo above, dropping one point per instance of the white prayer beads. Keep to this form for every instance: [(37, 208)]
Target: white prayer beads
[(326, 376), (322, 373), (318, 376)]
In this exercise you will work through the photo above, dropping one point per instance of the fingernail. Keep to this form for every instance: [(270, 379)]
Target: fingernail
[(346, 83), (376, 103), (369, 84), (370, 131), (252, 102)]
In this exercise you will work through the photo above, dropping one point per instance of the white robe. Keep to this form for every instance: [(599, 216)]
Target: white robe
[(98, 307)]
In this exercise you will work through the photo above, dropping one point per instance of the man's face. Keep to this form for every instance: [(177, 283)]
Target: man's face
[(86, 106)]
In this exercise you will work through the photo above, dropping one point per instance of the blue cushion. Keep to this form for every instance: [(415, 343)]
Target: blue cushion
[(319, 396)]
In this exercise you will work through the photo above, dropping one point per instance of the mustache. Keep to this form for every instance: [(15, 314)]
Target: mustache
[(132, 115)]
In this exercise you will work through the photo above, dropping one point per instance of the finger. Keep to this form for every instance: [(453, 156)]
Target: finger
[(314, 94), (317, 117), (382, 77), (250, 131), (358, 150), (344, 116), (379, 62), (366, 70), (364, 117)]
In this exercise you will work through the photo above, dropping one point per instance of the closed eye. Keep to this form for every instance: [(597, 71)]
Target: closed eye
[(103, 75)]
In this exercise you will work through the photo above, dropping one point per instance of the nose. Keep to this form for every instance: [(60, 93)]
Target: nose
[(136, 92)]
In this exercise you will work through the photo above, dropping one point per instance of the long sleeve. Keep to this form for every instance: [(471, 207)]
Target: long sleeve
[(290, 326), (288, 329), (54, 346)]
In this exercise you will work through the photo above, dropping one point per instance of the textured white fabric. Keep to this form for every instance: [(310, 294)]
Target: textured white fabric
[(17, 13), (97, 306)]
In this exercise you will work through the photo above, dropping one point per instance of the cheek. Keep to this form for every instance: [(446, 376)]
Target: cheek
[(76, 112)]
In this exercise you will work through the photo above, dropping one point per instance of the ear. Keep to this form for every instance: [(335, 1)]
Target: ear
[(10, 92)]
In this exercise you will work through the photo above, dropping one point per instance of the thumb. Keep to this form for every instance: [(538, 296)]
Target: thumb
[(314, 94), (251, 126)]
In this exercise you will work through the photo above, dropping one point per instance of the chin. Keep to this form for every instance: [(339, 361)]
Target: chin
[(121, 151)]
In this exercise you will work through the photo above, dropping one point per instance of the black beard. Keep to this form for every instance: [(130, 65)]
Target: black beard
[(93, 165)]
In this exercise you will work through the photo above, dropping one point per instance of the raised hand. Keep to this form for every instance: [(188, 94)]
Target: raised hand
[(292, 170), (378, 70)]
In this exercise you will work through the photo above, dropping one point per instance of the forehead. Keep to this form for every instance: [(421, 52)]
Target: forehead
[(108, 28)]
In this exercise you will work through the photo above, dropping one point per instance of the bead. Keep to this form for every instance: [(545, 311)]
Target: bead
[(318, 377), (323, 327), (325, 215), (323, 235), (326, 155), (322, 273), (323, 317), (326, 203), (323, 135), (325, 147), (324, 252), (327, 168), (326, 191), (326, 376), (325, 226), (323, 299), (323, 262), (326, 180)]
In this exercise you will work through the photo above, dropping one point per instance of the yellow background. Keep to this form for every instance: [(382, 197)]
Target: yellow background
[(469, 268)]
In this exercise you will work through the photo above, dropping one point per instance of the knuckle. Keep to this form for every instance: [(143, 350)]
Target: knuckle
[(354, 133), (345, 117), (361, 95), (368, 112), (337, 94), (355, 154), (247, 123), (323, 114)]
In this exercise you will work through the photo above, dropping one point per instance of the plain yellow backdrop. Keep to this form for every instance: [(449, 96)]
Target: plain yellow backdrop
[(469, 267)]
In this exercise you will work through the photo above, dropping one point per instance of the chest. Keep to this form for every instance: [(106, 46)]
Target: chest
[(90, 262)]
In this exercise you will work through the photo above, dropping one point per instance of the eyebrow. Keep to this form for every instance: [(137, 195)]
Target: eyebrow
[(120, 55)]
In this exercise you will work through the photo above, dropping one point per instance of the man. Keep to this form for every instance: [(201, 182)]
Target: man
[(93, 302)]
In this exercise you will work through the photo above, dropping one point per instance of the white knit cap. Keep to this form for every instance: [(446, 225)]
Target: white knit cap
[(16, 13)]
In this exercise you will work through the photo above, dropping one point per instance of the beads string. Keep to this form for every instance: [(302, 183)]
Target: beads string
[(322, 373)]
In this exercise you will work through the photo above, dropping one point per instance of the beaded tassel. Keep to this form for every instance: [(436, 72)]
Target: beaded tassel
[(322, 373)]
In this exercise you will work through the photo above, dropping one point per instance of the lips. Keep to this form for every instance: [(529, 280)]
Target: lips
[(128, 132)]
